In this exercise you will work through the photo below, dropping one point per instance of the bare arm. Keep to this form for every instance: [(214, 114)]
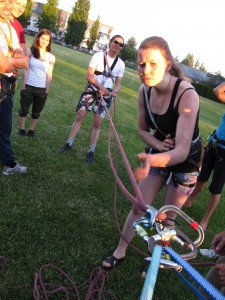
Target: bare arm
[(117, 86), (25, 49), (25, 76), (219, 92), (49, 73), (5, 65), (26, 71), (19, 62)]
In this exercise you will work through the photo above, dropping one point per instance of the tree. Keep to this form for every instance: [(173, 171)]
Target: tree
[(188, 60), (202, 67), (131, 42), (197, 64), (49, 15), (129, 52), (25, 17), (60, 25), (77, 23), (93, 34), (214, 79)]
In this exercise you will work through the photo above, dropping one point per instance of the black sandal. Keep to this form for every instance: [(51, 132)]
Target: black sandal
[(112, 261), (144, 271)]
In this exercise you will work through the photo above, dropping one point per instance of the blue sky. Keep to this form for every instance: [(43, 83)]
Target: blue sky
[(192, 26)]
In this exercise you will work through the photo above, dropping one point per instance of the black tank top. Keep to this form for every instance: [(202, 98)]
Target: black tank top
[(167, 123)]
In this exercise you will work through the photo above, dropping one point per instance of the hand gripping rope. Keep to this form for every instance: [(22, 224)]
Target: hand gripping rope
[(159, 244)]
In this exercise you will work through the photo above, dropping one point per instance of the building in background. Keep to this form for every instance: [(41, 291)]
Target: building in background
[(194, 74), (101, 43), (32, 28)]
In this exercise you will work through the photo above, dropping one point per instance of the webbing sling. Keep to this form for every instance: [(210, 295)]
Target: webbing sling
[(8, 39), (111, 68)]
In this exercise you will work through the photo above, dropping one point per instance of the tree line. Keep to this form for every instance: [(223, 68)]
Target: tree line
[(77, 26)]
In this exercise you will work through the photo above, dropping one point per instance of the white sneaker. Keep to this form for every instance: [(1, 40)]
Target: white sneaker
[(210, 253), (17, 169)]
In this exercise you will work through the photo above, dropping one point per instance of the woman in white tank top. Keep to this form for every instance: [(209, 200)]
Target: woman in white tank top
[(36, 81)]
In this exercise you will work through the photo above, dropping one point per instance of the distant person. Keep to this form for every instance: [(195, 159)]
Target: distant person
[(10, 60), (168, 113), (17, 9), (216, 275), (104, 77), (213, 162), (36, 81)]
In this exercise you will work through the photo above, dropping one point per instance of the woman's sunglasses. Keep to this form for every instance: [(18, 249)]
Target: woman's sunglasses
[(117, 43)]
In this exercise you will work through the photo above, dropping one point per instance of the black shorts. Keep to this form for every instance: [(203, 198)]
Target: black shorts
[(213, 161), (34, 96)]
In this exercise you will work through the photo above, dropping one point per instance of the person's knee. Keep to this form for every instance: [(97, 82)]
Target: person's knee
[(35, 115), (216, 189), (79, 119), (96, 126), (23, 112), (97, 123)]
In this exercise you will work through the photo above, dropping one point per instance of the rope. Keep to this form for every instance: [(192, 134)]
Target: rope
[(95, 285), (204, 283), (139, 199), (191, 286), (150, 280), (132, 199)]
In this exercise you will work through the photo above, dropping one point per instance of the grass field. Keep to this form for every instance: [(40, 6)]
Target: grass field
[(61, 211)]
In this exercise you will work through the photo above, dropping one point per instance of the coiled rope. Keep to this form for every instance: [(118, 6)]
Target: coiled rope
[(45, 288)]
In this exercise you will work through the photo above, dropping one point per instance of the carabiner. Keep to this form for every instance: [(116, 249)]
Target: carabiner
[(192, 223)]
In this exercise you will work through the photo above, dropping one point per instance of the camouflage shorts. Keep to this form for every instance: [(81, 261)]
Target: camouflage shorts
[(90, 101), (183, 183)]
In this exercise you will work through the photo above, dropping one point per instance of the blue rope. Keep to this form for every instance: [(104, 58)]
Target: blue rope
[(150, 280), (191, 286), (205, 284)]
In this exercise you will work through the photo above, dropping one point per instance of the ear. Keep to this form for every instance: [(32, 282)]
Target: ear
[(169, 66)]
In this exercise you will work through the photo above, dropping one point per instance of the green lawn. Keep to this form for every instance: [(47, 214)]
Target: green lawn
[(61, 211)]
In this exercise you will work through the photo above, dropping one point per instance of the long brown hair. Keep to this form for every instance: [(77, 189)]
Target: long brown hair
[(158, 42), (35, 48)]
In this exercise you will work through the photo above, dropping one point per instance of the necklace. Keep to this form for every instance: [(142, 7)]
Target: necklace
[(160, 109)]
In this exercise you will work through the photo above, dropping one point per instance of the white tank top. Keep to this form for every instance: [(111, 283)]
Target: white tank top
[(38, 71)]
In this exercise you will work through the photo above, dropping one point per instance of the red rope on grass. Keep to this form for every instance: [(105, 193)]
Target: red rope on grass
[(94, 284)]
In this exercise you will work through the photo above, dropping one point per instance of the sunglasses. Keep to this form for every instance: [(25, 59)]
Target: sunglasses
[(117, 43)]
